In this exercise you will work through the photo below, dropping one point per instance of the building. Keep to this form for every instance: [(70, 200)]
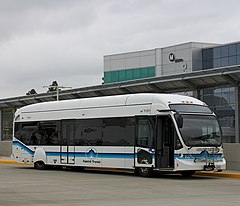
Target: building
[(180, 59), (210, 72), (155, 62)]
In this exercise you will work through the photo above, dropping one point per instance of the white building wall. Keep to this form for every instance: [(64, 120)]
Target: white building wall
[(132, 60), (158, 62), (189, 54), (183, 59), (147, 58), (139, 59)]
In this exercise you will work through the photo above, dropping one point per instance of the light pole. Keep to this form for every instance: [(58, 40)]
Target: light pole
[(57, 87)]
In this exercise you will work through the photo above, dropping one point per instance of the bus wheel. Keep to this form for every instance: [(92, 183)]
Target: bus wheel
[(187, 173), (144, 171), (40, 165)]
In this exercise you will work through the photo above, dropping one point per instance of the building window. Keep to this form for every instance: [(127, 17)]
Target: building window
[(238, 48), (7, 124), (144, 72), (224, 61), (222, 102), (232, 60), (224, 51), (238, 59), (217, 63), (221, 56), (232, 49), (216, 53), (115, 76), (107, 77), (121, 76), (129, 74), (136, 74)]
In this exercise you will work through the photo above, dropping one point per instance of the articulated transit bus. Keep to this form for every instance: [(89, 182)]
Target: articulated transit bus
[(138, 132)]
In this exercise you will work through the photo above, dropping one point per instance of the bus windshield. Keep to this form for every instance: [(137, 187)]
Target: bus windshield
[(200, 130)]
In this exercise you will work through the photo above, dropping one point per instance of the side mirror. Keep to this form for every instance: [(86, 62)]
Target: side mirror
[(179, 120)]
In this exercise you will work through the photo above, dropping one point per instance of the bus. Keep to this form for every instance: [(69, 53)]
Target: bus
[(142, 133)]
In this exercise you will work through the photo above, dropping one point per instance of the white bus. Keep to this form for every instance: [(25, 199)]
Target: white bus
[(138, 132)]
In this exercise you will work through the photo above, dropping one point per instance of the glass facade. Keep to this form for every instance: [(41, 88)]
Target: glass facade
[(221, 56), (222, 102), (7, 124), (128, 74)]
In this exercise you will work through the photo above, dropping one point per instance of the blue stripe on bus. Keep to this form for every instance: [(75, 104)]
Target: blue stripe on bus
[(17, 143), (75, 154), (115, 155), (197, 156), (99, 155)]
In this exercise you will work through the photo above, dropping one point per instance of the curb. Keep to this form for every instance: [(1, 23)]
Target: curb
[(218, 174), (11, 162)]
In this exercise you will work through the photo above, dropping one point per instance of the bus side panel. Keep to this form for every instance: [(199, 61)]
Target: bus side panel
[(22, 153), (129, 157), (144, 157), (106, 156), (113, 156), (52, 155), (88, 156), (40, 155)]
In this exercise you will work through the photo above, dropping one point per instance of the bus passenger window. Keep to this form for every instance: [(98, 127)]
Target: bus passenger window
[(37, 133), (114, 132), (25, 131), (91, 132), (130, 131), (145, 133), (49, 133), (33, 138)]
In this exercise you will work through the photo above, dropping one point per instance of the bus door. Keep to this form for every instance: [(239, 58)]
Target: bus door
[(165, 143), (67, 148), (144, 152)]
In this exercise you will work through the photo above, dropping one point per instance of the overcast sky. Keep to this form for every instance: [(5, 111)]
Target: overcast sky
[(65, 40)]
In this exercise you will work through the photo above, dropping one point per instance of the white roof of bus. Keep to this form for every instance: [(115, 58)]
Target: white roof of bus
[(116, 100)]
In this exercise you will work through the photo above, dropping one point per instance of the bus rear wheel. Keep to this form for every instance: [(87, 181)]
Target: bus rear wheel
[(40, 165)]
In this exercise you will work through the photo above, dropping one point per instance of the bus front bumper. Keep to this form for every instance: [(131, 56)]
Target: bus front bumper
[(204, 165)]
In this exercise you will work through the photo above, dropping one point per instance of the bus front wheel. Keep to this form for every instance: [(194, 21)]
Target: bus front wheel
[(40, 165), (144, 171)]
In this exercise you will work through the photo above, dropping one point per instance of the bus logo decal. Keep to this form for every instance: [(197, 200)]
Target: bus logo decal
[(91, 153), (204, 154)]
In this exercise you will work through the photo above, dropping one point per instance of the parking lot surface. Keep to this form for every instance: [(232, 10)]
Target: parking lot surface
[(23, 185)]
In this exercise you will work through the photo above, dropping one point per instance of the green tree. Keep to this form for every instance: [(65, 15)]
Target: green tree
[(31, 92), (53, 87)]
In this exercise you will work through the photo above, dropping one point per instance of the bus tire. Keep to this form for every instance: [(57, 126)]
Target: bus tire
[(144, 171), (40, 165), (187, 173)]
